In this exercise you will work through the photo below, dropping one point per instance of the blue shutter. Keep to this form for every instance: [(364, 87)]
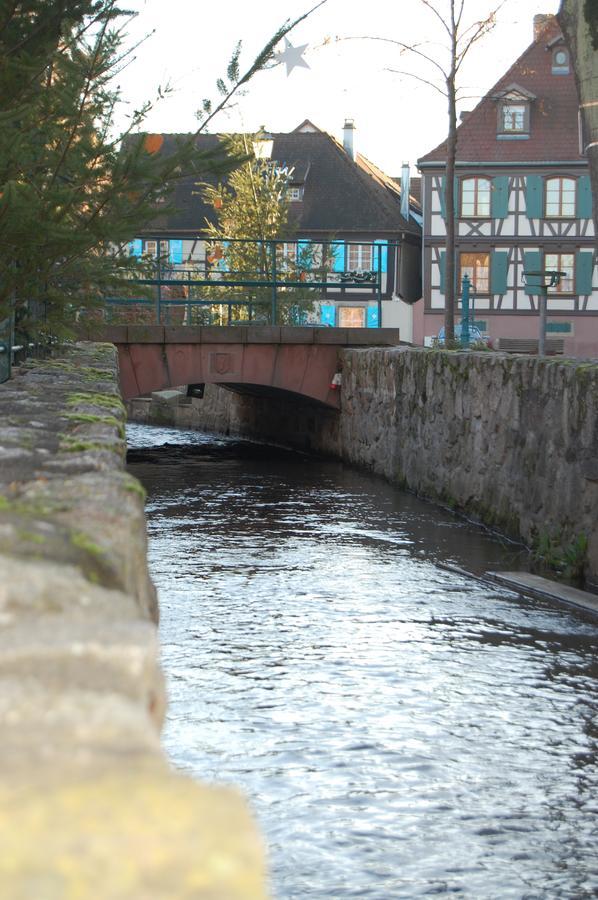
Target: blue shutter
[(441, 265), (584, 197), (534, 196), (221, 264), (328, 315), (136, 247), (337, 251), (532, 262), (499, 197), (584, 270), (442, 198), (383, 255), (176, 252), (304, 254), (456, 190), (499, 267), (373, 319)]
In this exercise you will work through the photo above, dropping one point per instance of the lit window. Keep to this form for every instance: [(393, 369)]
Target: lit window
[(475, 197), (150, 248), (359, 257), (514, 118), (351, 316), (477, 267), (560, 198), (562, 262), (295, 193)]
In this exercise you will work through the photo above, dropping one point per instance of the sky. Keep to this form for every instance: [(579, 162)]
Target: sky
[(397, 117)]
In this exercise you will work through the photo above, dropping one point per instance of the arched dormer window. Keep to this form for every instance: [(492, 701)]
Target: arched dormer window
[(475, 198), (560, 198)]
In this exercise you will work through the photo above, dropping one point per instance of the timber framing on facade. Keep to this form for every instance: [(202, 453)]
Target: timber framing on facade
[(523, 203)]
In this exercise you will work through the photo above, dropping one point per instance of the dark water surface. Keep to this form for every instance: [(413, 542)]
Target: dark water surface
[(402, 730)]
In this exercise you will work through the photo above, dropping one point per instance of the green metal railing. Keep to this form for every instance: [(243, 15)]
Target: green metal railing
[(287, 279)]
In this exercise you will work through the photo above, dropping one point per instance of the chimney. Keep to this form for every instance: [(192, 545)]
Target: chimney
[(405, 184), (349, 138), (540, 23)]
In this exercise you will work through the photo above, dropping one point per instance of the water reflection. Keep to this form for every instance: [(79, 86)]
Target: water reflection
[(402, 729)]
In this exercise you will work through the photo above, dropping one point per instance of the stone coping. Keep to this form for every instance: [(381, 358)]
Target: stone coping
[(241, 334), (89, 807)]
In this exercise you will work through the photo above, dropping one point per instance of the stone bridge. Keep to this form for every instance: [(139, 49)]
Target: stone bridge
[(268, 360)]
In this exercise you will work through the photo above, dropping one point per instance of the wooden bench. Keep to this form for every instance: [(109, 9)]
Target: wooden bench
[(553, 346)]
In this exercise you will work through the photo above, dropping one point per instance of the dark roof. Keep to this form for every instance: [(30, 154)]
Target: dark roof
[(339, 195), (553, 121)]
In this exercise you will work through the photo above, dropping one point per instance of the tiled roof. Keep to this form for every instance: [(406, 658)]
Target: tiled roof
[(340, 195), (553, 122)]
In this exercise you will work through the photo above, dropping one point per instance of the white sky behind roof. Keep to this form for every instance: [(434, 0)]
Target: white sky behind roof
[(397, 118)]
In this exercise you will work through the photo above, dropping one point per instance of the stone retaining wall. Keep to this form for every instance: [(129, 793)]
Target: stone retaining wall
[(512, 440), (89, 807)]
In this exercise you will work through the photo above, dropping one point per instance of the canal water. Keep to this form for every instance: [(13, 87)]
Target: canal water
[(401, 729)]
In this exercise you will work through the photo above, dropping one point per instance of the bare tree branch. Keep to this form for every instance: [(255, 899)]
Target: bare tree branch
[(260, 61), (411, 48), (417, 78)]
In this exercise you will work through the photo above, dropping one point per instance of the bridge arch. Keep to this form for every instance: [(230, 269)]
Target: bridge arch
[(301, 361)]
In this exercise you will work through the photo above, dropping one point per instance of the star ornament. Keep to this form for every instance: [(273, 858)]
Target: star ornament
[(292, 57)]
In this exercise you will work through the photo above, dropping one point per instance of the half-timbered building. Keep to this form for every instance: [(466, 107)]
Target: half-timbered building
[(522, 203)]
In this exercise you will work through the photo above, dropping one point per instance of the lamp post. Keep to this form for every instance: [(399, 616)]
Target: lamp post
[(263, 144), (465, 288), (547, 279)]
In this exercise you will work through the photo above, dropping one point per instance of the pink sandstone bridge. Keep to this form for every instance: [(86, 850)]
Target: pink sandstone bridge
[(269, 359)]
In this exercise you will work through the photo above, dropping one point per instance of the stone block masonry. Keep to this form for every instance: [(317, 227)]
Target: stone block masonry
[(89, 808), (511, 440)]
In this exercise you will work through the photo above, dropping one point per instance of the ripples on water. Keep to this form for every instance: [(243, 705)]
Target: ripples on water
[(402, 730)]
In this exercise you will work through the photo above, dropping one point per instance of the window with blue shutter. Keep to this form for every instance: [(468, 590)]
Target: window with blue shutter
[(534, 196), (584, 270), (175, 254), (136, 247), (328, 315), (532, 262), (584, 198), (500, 197), (441, 266), (381, 255), (499, 268), (373, 319)]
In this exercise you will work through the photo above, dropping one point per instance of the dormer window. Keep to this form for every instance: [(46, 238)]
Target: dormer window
[(514, 118), (514, 105), (295, 193), (560, 61)]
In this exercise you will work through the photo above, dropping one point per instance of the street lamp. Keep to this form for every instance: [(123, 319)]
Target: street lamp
[(547, 279), (263, 144)]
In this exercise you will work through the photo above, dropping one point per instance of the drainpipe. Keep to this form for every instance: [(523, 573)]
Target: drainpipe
[(405, 184)]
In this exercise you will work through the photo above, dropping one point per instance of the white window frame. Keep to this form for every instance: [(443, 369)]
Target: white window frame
[(359, 257)]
